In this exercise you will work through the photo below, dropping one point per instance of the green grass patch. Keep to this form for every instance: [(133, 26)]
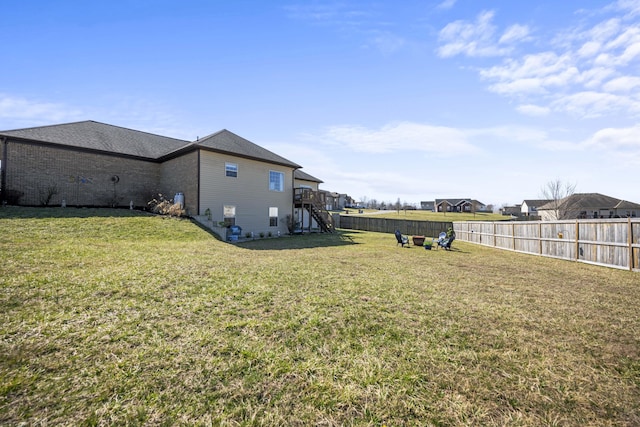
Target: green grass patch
[(112, 317), (420, 215)]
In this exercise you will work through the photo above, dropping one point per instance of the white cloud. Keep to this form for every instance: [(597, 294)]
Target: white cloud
[(530, 66), (447, 4), (404, 136), (533, 110), (520, 86), (586, 71), (592, 78), (33, 112), (589, 104), (622, 84), (632, 7), (589, 49), (471, 38), (515, 33), (616, 138)]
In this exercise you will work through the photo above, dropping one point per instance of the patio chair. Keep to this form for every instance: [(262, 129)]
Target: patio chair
[(402, 240), (445, 242)]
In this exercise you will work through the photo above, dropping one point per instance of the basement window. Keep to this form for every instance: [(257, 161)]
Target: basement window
[(273, 217), (229, 215)]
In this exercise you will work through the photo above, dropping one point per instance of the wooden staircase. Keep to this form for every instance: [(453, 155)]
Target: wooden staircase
[(314, 202)]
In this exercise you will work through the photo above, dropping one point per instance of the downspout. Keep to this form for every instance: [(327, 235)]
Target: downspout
[(198, 186), (3, 175), (293, 195)]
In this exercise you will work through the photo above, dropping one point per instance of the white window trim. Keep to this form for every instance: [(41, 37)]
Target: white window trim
[(230, 167), (281, 183)]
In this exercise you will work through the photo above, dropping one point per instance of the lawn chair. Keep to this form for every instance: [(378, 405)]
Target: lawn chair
[(402, 240), (445, 242)]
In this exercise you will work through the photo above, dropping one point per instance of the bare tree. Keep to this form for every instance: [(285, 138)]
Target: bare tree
[(445, 207), (475, 205), (559, 193)]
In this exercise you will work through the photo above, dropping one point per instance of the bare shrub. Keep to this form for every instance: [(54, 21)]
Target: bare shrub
[(164, 206)]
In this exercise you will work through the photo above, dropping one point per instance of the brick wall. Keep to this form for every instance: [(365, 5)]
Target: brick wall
[(180, 175), (78, 178)]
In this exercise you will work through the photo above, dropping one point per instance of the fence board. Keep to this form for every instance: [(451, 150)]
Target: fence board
[(389, 225), (608, 242)]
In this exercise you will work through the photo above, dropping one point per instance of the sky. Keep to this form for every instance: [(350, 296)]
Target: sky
[(382, 100)]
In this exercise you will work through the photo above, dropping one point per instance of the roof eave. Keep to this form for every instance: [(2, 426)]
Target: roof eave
[(245, 156)]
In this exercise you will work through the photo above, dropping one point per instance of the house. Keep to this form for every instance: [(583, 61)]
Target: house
[(588, 205), (459, 205), (428, 206), (332, 200), (530, 207), (95, 164), (511, 210)]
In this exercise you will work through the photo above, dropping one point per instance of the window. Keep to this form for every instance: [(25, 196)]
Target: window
[(229, 215), (276, 181), (273, 217), (231, 169)]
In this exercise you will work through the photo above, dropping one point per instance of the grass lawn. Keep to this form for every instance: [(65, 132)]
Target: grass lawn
[(119, 318), (421, 215)]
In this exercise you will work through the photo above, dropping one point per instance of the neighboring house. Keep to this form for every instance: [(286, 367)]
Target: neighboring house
[(428, 206), (95, 164), (511, 210), (332, 200), (459, 205), (530, 207), (345, 201), (588, 205)]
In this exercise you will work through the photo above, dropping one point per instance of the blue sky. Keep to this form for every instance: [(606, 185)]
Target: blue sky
[(413, 100)]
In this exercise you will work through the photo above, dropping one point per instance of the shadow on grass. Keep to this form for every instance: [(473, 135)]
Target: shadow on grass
[(300, 241)]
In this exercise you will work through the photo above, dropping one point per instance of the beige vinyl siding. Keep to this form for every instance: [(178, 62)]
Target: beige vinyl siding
[(298, 183), (248, 192)]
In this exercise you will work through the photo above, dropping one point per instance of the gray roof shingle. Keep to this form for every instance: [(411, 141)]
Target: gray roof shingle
[(101, 137), (591, 201), (228, 142), (299, 174), (96, 136)]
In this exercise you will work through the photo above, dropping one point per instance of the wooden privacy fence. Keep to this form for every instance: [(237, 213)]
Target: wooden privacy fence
[(607, 242), (387, 225)]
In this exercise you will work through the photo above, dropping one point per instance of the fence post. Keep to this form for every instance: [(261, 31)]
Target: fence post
[(577, 239), (540, 237), (630, 241)]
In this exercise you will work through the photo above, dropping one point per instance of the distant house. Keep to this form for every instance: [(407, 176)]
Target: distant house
[(95, 164), (514, 210), (588, 205), (428, 206), (530, 207), (458, 205), (332, 200)]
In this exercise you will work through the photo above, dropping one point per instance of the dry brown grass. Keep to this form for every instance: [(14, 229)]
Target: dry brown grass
[(109, 319)]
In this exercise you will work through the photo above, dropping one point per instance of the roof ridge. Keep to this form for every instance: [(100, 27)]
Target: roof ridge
[(211, 135), (98, 123), (48, 126), (135, 130)]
